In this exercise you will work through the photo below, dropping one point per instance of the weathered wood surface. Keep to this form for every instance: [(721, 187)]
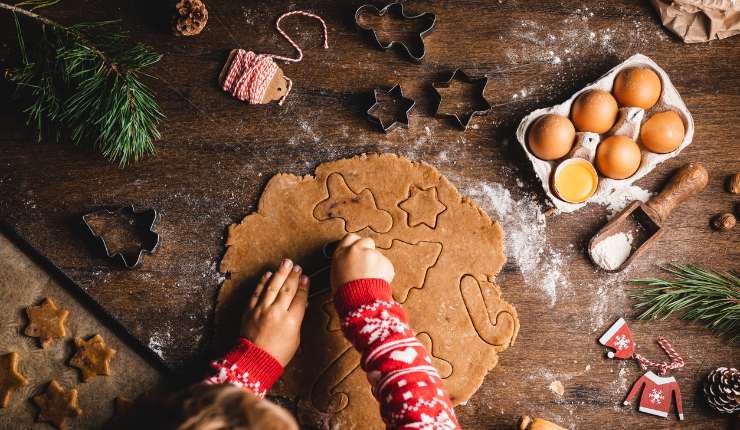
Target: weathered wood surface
[(216, 154)]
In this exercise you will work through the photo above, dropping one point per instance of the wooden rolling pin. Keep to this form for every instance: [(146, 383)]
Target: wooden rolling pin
[(529, 423)]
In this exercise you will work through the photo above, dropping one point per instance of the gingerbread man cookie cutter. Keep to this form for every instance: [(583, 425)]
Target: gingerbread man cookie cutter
[(416, 52)]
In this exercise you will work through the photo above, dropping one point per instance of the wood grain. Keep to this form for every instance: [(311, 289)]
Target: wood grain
[(216, 154)]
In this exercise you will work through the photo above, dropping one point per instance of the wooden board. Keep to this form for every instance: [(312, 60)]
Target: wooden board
[(216, 154)]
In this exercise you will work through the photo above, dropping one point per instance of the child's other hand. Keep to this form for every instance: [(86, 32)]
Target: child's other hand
[(356, 258), (275, 312)]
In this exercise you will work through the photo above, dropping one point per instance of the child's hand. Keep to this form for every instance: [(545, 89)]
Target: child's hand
[(356, 258), (275, 313)]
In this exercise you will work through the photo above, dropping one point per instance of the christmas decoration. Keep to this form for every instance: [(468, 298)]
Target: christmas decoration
[(619, 337), (663, 367), (722, 390), (656, 397), (85, 81), (657, 394), (255, 78), (190, 18), (702, 295)]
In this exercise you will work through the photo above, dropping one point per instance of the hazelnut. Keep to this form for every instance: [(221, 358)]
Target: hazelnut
[(733, 183), (723, 222)]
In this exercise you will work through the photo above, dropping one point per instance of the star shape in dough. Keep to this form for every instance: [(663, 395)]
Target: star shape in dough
[(422, 207), (46, 322), (57, 405), (10, 378), (93, 357)]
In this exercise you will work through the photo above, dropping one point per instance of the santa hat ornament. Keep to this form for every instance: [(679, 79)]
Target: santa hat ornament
[(619, 337)]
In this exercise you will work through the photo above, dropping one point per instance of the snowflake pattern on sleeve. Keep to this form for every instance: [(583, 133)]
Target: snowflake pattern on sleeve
[(247, 366), (408, 387)]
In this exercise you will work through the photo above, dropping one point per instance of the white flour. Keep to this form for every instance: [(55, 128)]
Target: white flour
[(612, 251), (525, 237), (619, 200)]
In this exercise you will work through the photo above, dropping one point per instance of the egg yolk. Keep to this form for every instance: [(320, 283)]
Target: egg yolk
[(575, 180)]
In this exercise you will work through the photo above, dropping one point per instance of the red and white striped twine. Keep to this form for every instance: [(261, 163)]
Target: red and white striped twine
[(250, 74), (663, 367)]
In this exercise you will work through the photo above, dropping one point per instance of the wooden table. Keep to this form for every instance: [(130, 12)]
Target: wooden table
[(216, 154)]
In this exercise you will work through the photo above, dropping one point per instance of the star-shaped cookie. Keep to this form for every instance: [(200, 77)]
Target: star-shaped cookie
[(422, 207), (93, 357), (10, 378), (57, 405), (46, 322)]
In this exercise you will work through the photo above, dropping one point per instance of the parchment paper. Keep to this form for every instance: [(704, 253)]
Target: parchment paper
[(700, 20), (24, 283)]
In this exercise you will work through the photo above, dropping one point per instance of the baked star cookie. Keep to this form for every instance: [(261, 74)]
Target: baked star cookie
[(10, 378), (93, 357), (46, 322), (57, 405)]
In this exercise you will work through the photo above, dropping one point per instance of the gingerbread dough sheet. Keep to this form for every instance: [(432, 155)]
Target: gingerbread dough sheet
[(23, 283), (446, 252)]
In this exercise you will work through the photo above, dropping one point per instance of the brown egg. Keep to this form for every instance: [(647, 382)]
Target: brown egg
[(595, 111), (618, 157), (663, 132), (551, 137), (637, 87)]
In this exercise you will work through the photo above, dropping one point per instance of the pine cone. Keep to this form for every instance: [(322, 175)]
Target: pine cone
[(722, 390), (190, 19)]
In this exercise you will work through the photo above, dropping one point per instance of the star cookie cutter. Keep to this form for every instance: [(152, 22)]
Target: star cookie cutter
[(396, 94), (463, 119), (416, 52), (144, 221)]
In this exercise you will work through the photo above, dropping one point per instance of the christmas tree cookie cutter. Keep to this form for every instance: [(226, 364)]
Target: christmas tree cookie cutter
[(415, 51), (125, 234), (479, 107), (397, 98)]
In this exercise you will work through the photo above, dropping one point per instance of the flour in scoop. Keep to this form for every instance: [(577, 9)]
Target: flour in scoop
[(612, 251)]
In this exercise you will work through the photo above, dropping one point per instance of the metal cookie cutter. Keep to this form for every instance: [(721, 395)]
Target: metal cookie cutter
[(140, 233), (416, 52), (463, 118), (396, 94)]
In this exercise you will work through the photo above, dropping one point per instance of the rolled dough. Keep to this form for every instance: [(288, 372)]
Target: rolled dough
[(446, 252)]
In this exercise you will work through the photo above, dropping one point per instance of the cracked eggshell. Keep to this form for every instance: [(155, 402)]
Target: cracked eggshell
[(628, 124)]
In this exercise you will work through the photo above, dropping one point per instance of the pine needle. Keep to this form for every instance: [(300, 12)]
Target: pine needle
[(712, 298), (85, 80)]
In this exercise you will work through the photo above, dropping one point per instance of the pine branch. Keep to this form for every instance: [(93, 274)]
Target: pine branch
[(85, 79), (709, 297)]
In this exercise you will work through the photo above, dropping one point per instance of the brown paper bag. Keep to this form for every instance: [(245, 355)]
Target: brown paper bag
[(700, 20)]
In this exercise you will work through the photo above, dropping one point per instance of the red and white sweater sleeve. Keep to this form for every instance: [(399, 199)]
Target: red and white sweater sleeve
[(247, 366), (398, 366)]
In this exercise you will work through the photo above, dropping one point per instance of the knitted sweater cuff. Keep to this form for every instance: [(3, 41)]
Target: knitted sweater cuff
[(359, 292), (255, 361)]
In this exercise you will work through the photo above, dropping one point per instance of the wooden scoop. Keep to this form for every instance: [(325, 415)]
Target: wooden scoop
[(645, 220)]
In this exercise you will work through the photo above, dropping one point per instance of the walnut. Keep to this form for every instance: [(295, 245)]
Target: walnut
[(733, 183), (724, 222), (190, 19)]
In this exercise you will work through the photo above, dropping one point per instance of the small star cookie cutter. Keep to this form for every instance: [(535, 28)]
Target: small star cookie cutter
[(396, 9), (463, 119), (146, 228), (395, 93)]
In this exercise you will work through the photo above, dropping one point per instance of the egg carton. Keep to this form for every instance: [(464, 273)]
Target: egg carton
[(628, 124)]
